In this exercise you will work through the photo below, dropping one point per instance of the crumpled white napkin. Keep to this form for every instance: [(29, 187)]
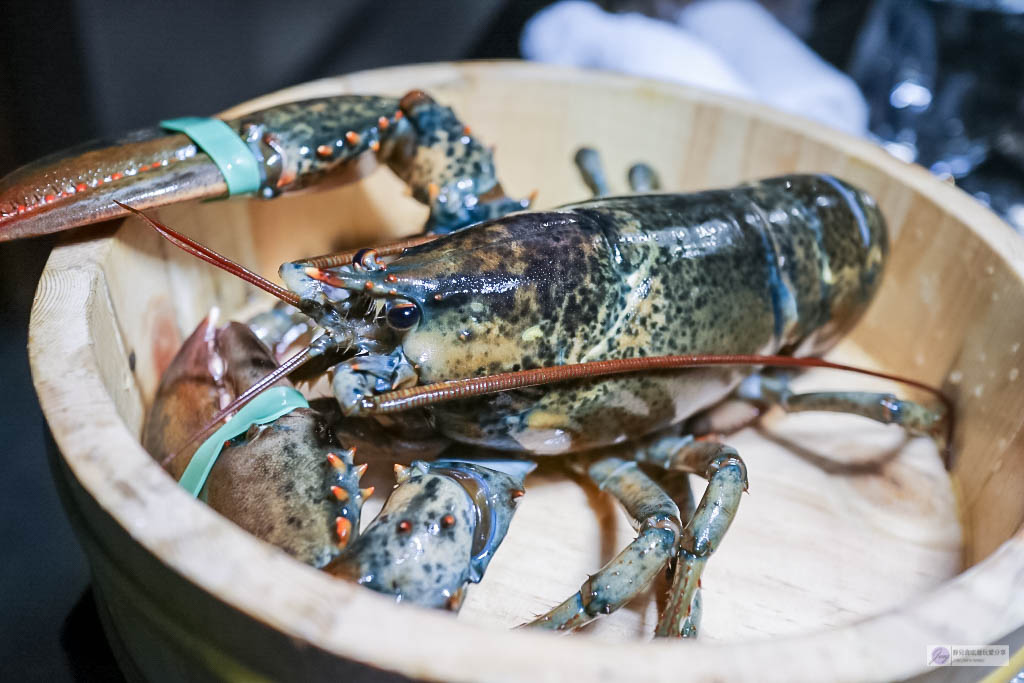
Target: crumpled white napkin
[(732, 46)]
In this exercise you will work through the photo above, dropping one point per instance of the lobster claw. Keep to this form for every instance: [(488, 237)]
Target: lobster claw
[(275, 150), (437, 531), (288, 147), (78, 186)]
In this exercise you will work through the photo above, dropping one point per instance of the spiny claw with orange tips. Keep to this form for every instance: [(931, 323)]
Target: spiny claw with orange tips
[(263, 478), (437, 532)]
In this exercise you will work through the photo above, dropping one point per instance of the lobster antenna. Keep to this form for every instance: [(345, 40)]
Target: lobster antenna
[(210, 256), (430, 394), (249, 394)]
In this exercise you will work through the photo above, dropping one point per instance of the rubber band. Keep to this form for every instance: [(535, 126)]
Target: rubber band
[(273, 403), (233, 157)]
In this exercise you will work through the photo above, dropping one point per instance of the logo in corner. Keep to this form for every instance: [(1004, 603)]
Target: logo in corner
[(938, 655)]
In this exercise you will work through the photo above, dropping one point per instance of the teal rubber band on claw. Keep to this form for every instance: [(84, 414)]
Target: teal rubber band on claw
[(222, 144), (266, 407)]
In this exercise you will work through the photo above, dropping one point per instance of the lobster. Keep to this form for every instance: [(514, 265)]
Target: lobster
[(590, 329), (586, 329)]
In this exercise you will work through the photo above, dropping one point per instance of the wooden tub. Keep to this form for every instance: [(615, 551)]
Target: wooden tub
[(852, 553)]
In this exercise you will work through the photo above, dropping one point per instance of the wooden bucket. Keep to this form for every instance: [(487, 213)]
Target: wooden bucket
[(853, 552)]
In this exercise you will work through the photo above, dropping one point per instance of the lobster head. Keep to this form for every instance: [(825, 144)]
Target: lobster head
[(480, 301)]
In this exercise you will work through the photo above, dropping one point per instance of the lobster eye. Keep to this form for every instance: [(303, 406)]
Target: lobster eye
[(367, 260), (403, 316)]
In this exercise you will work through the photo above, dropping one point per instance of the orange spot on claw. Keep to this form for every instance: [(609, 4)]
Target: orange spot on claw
[(81, 187), (352, 137), (383, 122), (324, 151), (375, 146), (448, 521), (339, 493), (391, 277), (343, 528), (404, 527), (399, 114), (465, 130), (49, 198), (116, 176)]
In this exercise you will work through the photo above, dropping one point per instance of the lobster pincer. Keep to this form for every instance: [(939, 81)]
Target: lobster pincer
[(289, 147)]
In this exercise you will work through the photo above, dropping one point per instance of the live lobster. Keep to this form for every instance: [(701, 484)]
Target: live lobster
[(618, 301)]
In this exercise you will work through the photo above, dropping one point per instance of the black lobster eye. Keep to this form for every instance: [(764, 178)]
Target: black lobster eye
[(403, 316)]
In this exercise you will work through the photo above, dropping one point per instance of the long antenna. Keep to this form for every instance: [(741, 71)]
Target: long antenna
[(210, 256), (440, 392), (430, 394)]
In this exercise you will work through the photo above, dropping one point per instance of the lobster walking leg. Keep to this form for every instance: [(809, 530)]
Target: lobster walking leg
[(881, 407), (656, 517), (643, 178), (588, 162), (727, 479)]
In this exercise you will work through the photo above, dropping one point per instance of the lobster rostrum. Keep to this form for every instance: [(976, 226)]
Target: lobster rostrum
[(635, 313), (291, 147)]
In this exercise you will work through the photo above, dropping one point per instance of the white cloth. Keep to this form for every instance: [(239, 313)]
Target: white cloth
[(732, 46)]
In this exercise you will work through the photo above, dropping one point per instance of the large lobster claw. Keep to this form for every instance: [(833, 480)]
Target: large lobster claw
[(78, 186), (284, 148)]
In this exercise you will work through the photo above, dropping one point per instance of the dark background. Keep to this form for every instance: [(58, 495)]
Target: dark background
[(74, 70)]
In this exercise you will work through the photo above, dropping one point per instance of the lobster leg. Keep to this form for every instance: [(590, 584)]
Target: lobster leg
[(643, 178), (885, 408), (727, 479), (588, 162), (656, 517)]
